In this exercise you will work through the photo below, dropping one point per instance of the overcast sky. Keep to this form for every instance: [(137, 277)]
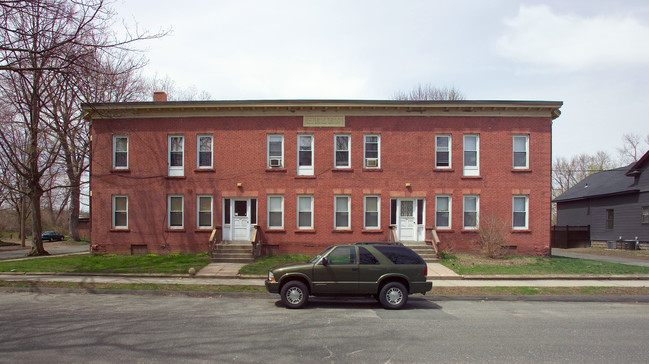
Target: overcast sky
[(593, 54)]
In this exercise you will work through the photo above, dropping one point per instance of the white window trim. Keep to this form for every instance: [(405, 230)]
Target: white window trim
[(477, 212), (471, 170), (527, 212), (450, 149), (365, 159), (114, 211), (115, 151), (281, 158), (198, 151), (527, 151), (349, 214), (450, 211), (349, 151), (378, 212), (305, 170), (198, 212), (182, 212), (297, 217), (273, 227), (177, 171)]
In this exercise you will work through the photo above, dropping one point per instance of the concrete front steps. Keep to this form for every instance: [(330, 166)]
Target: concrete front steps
[(424, 250), (233, 252)]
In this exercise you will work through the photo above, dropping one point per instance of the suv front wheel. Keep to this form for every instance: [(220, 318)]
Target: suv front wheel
[(393, 296), (294, 294)]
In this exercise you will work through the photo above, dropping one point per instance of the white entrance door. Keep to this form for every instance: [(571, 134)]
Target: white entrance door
[(407, 220), (241, 220)]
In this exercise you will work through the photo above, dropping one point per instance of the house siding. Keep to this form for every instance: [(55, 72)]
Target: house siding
[(407, 155)]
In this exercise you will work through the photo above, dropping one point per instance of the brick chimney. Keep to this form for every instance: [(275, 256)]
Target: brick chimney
[(159, 96)]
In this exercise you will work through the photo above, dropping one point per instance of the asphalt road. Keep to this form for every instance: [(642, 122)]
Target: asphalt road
[(40, 328)]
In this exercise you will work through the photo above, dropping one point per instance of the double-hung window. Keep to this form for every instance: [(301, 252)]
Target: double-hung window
[(275, 147), (443, 212), (471, 208), (176, 155), (120, 212), (372, 151), (120, 152), (305, 212), (471, 155), (442, 151), (305, 155), (610, 219), (176, 212), (204, 150), (372, 212), (342, 145), (275, 212), (645, 215), (521, 151), (520, 212), (341, 212), (204, 211)]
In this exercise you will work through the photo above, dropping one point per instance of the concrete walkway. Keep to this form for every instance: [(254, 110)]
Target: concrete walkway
[(600, 258)]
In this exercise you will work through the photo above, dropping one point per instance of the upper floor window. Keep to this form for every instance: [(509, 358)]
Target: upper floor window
[(520, 212), (275, 148), (442, 151), (305, 212), (204, 211), (204, 150), (176, 155), (443, 212), (275, 212), (471, 204), (521, 151), (120, 212), (305, 155), (372, 212), (610, 219), (342, 151), (120, 152), (176, 212), (471, 155), (341, 212), (372, 151)]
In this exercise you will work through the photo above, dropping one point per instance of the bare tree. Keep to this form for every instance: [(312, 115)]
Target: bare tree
[(429, 92), (633, 147), (174, 92), (568, 172)]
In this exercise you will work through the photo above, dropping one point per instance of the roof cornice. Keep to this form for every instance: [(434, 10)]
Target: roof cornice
[(320, 107)]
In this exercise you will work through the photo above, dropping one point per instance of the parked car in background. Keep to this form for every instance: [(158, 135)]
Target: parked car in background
[(51, 236), (388, 271)]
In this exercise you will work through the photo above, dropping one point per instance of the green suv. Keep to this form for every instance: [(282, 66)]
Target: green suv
[(388, 271)]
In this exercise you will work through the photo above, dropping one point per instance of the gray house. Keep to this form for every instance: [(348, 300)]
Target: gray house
[(615, 203)]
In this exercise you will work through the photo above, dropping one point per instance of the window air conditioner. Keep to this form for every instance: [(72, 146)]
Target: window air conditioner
[(371, 162), (275, 162)]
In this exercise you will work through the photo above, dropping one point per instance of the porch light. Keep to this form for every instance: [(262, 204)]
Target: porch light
[(239, 184), (407, 185)]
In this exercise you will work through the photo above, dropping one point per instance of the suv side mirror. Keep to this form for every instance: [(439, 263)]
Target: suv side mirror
[(324, 261)]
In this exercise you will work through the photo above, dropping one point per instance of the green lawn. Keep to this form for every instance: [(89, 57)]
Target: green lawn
[(263, 264), (163, 264), (466, 264)]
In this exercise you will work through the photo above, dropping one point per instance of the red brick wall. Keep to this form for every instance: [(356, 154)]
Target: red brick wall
[(407, 156)]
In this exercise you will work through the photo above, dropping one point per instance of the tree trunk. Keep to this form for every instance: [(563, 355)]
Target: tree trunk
[(23, 219), (37, 240), (75, 193)]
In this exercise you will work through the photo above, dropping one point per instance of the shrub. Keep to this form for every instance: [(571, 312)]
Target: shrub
[(493, 233)]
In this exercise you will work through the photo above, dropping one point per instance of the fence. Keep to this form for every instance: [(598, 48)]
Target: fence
[(566, 237)]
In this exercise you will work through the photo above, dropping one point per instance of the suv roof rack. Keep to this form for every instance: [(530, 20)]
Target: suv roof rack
[(396, 243)]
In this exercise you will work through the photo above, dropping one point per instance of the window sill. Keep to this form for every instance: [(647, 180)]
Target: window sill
[(342, 231), (176, 177), (272, 231), (372, 231), (521, 170), (448, 170), (471, 177), (372, 169), (469, 231), (305, 231), (521, 231), (305, 177), (275, 170), (444, 230), (120, 230), (343, 170), (120, 170), (179, 230), (203, 230), (204, 170)]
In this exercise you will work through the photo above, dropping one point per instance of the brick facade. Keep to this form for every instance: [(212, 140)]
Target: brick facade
[(407, 169)]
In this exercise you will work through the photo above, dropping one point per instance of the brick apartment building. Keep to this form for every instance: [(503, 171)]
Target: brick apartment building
[(312, 173)]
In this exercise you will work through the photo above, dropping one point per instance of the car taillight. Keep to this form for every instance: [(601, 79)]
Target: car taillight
[(426, 270)]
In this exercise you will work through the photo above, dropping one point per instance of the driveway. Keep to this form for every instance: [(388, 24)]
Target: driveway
[(601, 258)]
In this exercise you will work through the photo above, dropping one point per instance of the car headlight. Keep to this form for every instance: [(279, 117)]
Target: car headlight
[(271, 276)]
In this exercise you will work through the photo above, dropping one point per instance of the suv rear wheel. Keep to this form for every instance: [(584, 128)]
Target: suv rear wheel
[(294, 294), (393, 296)]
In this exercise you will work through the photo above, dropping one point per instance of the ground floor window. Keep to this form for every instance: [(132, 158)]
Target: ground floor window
[(520, 208), (610, 219), (372, 209), (645, 215), (275, 212), (471, 212), (204, 211), (305, 212), (341, 207), (175, 207), (443, 212), (120, 212)]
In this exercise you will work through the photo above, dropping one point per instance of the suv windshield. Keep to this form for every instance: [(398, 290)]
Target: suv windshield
[(319, 256)]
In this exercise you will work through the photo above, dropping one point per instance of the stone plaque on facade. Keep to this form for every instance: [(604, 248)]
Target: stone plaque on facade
[(323, 121)]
